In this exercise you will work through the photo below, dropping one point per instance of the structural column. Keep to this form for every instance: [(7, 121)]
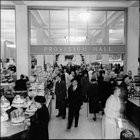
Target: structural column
[(22, 45), (132, 40)]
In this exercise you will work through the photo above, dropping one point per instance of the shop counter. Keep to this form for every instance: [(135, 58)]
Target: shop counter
[(9, 131), (133, 111)]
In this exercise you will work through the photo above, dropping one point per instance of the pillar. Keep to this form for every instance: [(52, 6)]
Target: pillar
[(22, 45), (132, 48)]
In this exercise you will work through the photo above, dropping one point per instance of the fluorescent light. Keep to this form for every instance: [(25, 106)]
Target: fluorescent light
[(11, 45), (85, 16)]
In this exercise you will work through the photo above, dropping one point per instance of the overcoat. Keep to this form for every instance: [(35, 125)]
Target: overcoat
[(60, 91), (93, 97), (39, 124), (75, 98)]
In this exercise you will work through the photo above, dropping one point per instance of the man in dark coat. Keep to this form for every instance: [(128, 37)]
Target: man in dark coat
[(84, 84), (103, 90), (74, 103), (93, 97), (60, 91), (39, 121)]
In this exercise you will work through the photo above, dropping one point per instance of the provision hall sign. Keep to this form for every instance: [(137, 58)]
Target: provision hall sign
[(76, 49)]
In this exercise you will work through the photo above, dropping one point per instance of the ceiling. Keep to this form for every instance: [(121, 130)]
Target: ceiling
[(58, 25)]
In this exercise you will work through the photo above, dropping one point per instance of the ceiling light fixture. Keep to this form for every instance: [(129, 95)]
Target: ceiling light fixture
[(85, 16)]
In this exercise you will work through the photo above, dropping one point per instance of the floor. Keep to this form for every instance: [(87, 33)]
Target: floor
[(87, 128)]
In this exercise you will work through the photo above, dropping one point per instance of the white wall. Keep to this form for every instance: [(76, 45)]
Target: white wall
[(132, 40)]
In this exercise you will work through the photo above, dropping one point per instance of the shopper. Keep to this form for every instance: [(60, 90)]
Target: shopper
[(93, 97), (38, 128), (112, 113), (85, 84), (103, 90), (60, 91), (20, 84), (74, 103)]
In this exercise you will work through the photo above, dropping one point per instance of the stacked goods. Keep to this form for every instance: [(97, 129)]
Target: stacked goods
[(4, 117), (31, 109), (27, 102), (18, 101), (17, 116), (7, 78), (32, 93), (4, 104), (36, 89)]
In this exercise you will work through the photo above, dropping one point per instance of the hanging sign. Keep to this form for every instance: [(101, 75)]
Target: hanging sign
[(76, 49)]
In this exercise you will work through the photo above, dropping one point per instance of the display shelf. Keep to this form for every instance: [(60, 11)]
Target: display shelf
[(133, 111)]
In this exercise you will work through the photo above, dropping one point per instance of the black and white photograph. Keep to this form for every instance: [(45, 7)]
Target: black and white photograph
[(70, 69)]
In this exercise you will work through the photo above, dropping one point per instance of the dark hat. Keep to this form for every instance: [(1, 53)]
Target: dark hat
[(74, 79), (40, 99), (125, 76)]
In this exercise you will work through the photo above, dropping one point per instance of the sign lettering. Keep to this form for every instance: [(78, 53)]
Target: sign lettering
[(77, 49)]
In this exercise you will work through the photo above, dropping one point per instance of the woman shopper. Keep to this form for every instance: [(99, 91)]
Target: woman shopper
[(93, 98), (38, 123)]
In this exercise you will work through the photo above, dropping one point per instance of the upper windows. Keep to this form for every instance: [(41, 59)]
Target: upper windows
[(76, 27)]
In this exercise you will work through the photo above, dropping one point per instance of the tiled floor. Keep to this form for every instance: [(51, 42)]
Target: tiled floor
[(87, 129)]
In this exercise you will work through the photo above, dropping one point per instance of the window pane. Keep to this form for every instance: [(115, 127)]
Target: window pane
[(115, 22), (76, 27), (8, 48)]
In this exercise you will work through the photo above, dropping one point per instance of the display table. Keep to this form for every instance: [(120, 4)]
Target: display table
[(9, 130), (133, 111)]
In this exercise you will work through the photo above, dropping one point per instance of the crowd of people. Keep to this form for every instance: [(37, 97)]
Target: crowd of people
[(105, 89), (96, 85)]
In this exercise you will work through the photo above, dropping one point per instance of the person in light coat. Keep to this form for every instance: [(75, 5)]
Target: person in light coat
[(110, 129)]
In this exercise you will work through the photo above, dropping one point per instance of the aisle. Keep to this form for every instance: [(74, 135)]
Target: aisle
[(87, 129)]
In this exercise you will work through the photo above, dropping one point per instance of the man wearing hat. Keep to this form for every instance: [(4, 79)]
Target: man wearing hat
[(74, 101), (39, 121)]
